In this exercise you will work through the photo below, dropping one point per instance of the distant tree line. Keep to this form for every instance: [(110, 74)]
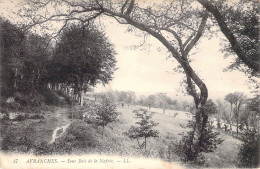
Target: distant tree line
[(158, 100), (239, 111)]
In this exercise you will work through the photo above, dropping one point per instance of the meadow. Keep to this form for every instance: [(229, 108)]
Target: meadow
[(38, 136)]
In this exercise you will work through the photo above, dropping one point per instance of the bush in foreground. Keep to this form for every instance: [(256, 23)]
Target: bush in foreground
[(143, 129), (190, 152), (248, 155)]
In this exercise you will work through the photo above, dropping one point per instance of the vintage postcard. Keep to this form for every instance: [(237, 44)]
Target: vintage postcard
[(137, 84)]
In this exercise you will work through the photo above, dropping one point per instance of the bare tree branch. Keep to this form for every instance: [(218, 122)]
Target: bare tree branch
[(74, 5), (188, 40), (198, 35), (130, 8), (176, 37), (123, 7)]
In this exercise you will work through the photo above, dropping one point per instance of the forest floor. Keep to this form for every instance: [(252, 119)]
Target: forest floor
[(57, 127)]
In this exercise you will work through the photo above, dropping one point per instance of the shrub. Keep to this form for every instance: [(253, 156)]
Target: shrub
[(144, 128), (248, 155), (20, 118), (82, 135), (190, 151), (106, 113), (36, 116), (59, 147), (34, 99), (15, 142), (76, 114)]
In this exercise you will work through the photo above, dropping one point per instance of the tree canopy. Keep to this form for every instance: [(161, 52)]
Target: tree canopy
[(84, 56), (239, 22)]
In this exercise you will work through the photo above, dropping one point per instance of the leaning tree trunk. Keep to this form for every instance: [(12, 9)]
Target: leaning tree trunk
[(182, 57), (201, 118)]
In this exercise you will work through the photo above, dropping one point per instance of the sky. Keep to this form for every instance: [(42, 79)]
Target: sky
[(145, 68)]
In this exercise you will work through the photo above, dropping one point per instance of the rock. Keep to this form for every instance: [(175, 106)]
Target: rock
[(13, 115), (10, 100), (2, 115)]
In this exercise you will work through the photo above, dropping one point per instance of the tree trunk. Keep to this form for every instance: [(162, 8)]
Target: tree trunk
[(81, 98), (230, 120), (145, 144), (139, 144), (15, 78), (237, 120), (218, 125), (103, 131), (192, 78), (237, 127)]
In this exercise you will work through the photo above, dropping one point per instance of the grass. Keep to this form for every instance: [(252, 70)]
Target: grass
[(83, 138)]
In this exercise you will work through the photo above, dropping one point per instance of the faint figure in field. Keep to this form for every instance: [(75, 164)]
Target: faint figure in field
[(225, 126), (175, 114)]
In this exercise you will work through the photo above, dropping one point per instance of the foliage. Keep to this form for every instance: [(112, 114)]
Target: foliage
[(83, 57), (238, 21), (105, 113), (238, 99), (144, 128), (17, 139), (44, 148), (192, 153), (210, 108), (11, 50), (81, 135), (250, 114), (249, 153), (244, 24), (253, 104)]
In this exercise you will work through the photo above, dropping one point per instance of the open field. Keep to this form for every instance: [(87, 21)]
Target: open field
[(114, 141), (170, 130)]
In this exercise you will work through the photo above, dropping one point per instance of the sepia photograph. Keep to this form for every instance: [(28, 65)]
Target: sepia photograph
[(129, 84)]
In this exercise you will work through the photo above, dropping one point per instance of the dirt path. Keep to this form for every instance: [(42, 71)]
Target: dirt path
[(55, 135), (63, 122)]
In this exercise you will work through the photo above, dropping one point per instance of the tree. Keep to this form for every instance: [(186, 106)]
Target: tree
[(248, 155), (142, 100), (85, 56), (230, 99), (130, 97), (35, 61), (163, 21), (122, 96), (238, 99), (11, 50), (230, 19), (210, 138), (254, 112), (144, 128), (220, 112), (23, 59), (210, 107), (106, 113), (162, 102), (151, 100)]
